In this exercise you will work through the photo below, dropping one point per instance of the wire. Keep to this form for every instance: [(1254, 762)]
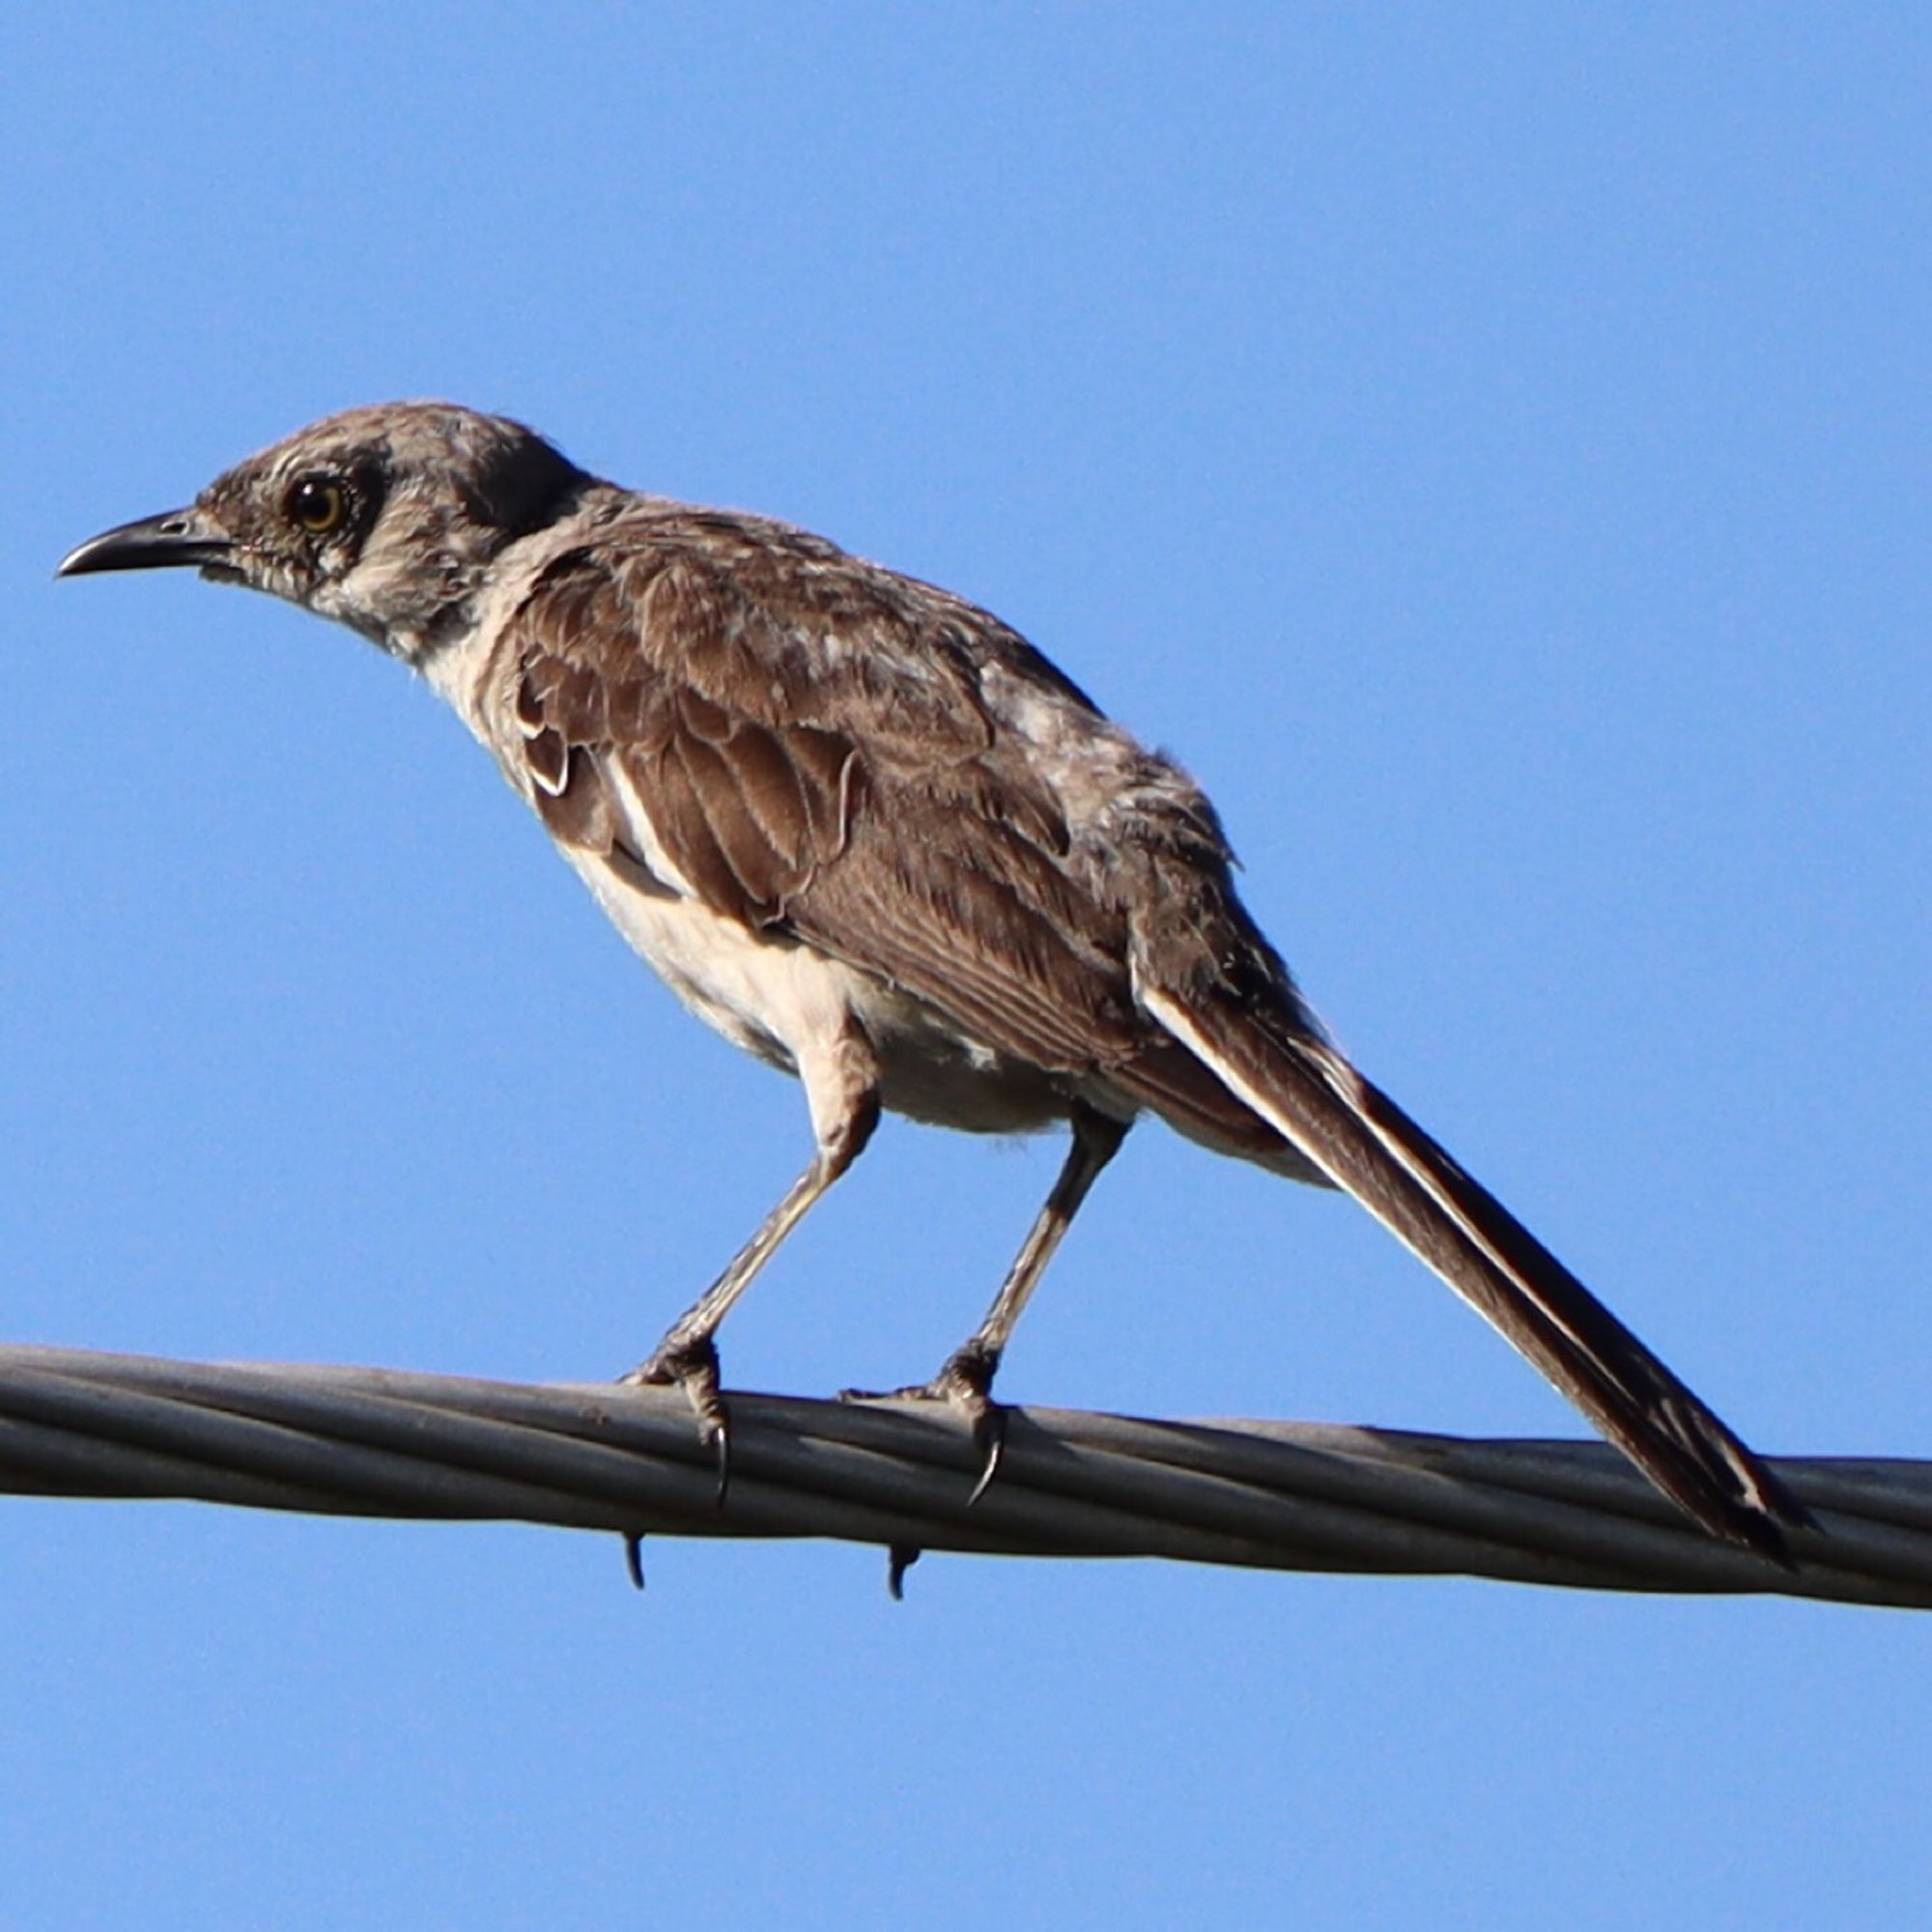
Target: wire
[(1283, 1495)]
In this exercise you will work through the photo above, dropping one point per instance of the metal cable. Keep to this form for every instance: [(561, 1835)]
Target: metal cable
[(1266, 1494)]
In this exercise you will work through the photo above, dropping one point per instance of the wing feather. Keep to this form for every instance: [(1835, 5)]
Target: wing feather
[(816, 758)]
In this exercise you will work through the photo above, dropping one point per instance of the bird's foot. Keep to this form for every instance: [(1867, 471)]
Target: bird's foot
[(692, 1364), (964, 1383)]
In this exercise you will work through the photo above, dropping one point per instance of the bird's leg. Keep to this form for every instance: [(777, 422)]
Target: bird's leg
[(965, 1378), (687, 1354)]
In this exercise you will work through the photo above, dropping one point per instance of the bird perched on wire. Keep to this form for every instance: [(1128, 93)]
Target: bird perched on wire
[(873, 836)]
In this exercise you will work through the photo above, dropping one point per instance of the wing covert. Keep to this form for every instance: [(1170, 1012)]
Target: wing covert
[(812, 754)]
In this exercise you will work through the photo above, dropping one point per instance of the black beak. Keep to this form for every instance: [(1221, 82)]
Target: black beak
[(174, 537)]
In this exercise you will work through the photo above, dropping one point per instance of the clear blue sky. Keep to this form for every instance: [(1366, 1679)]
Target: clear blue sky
[(1487, 444)]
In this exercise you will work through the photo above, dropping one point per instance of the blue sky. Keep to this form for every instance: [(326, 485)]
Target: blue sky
[(1488, 444)]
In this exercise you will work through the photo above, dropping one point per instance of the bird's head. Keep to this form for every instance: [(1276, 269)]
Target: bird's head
[(385, 518)]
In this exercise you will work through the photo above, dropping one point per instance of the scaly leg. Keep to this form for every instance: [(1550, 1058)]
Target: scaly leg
[(966, 1377), (687, 1354)]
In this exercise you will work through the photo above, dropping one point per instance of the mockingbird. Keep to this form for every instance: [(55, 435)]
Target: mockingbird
[(875, 838)]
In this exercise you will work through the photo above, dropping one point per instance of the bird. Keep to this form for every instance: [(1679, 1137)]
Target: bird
[(873, 836)]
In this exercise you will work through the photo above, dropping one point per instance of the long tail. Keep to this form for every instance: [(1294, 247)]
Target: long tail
[(1363, 1142)]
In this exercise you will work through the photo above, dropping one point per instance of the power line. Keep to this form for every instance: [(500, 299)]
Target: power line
[(1287, 1495)]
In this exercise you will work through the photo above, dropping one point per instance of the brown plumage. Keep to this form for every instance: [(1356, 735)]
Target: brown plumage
[(870, 834)]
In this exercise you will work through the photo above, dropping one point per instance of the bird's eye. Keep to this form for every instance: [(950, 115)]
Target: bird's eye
[(317, 504)]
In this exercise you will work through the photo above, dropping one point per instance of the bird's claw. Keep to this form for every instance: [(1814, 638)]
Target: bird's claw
[(899, 1560), (693, 1365), (964, 1383)]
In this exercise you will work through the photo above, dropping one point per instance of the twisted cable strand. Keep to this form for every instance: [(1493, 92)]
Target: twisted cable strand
[(1281, 1495)]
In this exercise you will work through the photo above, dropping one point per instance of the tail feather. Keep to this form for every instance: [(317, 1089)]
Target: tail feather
[(1362, 1141)]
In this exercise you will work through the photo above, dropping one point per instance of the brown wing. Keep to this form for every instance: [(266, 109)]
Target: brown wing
[(745, 811), (808, 740)]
